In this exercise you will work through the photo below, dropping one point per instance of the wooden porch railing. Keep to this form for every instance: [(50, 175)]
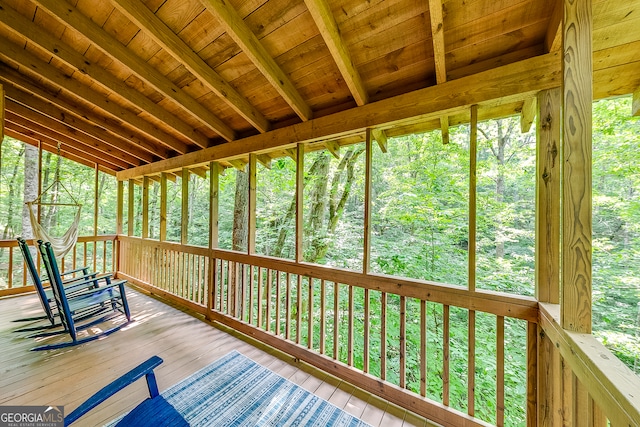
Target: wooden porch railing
[(96, 252)]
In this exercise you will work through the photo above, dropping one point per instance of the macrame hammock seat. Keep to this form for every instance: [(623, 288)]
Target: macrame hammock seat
[(63, 244)]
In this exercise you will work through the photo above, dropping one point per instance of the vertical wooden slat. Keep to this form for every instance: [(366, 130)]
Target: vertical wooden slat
[(323, 317), (471, 359), (366, 331), (383, 335), (473, 156), (568, 387), (367, 201), (10, 272), (96, 201), (288, 307), (403, 341), (350, 327), (251, 294), (583, 408), (445, 355), (598, 418), (299, 201), (119, 207), (423, 348), (310, 318), (532, 374), (548, 130), (163, 207), (278, 304), (500, 371), (260, 296), (575, 310), (267, 299), (299, 309), (336, 319)]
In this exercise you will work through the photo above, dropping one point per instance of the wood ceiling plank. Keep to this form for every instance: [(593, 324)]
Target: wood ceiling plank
[(96, 74), (71, 134), (115, 127), (616, 81), (508, 58), (146, 20), (141, 69), (253, 48), (330, 32), (617, 55), (56, 137), (25, 59)]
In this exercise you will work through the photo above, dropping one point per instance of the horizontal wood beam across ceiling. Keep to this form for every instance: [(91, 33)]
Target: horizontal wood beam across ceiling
[(505, 84)]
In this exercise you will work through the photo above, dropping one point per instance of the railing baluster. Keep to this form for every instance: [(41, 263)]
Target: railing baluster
[(350, 330), (500, 371), (423, 348), (251, 294), (532, 373), (299, 309), (268, 301), (260, 297), (471, 363), (403, 342), (278, 302), (288, 308), (383, 335), (323, 309), (366, 331), (336, 318), (445, 355), (310, 316), (10, 272)]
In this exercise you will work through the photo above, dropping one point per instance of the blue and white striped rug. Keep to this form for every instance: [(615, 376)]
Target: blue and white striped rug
[(236, 391)]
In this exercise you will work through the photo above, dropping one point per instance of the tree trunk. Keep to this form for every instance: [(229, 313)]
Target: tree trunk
[(241, 212), (30, 187)]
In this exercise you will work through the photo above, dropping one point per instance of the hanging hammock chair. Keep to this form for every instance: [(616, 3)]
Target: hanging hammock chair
[(63, 244)]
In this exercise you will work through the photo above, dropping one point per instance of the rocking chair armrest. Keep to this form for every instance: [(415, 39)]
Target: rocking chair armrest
[(144, 369), (92, 290), (84, 269)]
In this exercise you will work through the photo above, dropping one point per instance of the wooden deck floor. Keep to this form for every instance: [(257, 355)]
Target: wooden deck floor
[(69, 376)]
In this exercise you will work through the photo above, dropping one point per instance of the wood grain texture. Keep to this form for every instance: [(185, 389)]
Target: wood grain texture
[(576, 167)]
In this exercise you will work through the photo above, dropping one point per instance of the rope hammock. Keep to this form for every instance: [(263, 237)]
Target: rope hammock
[(61, 245)]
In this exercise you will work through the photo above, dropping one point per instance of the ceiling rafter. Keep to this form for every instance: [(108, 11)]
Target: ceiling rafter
[(10, 77), (46, 129), (326, 23), (169, 41), (240, 32), (437, 34), (20, 25), (53, 75), (142, 70), (70, 120), (32, 138)]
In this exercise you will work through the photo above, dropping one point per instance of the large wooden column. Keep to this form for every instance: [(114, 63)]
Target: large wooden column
[(299, 201), (575, 311), (130, 203), (163, 207), (145, 207), (214, 184), (184, 229), (251, 223)]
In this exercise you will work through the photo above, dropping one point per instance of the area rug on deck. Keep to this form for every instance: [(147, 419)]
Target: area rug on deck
[(236, 391)]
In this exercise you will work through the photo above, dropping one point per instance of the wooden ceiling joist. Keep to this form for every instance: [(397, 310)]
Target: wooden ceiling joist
[(333, 147), (326, 23), (437, 34), (161, 34), (381, 138), (136, 141), (70, 120), (140, 69), (22, 58), (253, 48), (265, 160), (528, 114)]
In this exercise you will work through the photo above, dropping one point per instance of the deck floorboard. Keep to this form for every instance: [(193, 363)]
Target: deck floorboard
[(185, 343)]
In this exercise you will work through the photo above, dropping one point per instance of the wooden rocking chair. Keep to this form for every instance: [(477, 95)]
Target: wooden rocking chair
[(84, 308)]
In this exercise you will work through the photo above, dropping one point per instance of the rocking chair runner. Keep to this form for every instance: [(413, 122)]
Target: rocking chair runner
[(79, 306)]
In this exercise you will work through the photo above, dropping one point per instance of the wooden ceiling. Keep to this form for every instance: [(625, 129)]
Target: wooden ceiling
[(126, 83)]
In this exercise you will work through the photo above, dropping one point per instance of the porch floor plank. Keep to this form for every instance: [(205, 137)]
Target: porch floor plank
[(69, 376)]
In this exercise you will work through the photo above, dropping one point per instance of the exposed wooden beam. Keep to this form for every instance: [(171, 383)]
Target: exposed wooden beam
[(265, 160), (553, 37), (326, 23), (253, 48), (110, 46), (333, 147), (635, 106), (140, 15), (22, 99), (291, 152), (238, 164), (576, 267), (381, 138), (506, 84), (113, 127), (528, 114), (437, 35), (22, 58), (46, 129), (18, 24)]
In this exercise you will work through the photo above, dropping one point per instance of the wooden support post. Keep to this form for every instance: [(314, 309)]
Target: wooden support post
[(444, 129), (145, 207), (163, 206), (548, 196), (299, 201), (96, 189), (184, 228), (575, 311), (214, 203), (251, 232), (367, 202), (635, 106), (130, 208), (120, 207), (473, 154)]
